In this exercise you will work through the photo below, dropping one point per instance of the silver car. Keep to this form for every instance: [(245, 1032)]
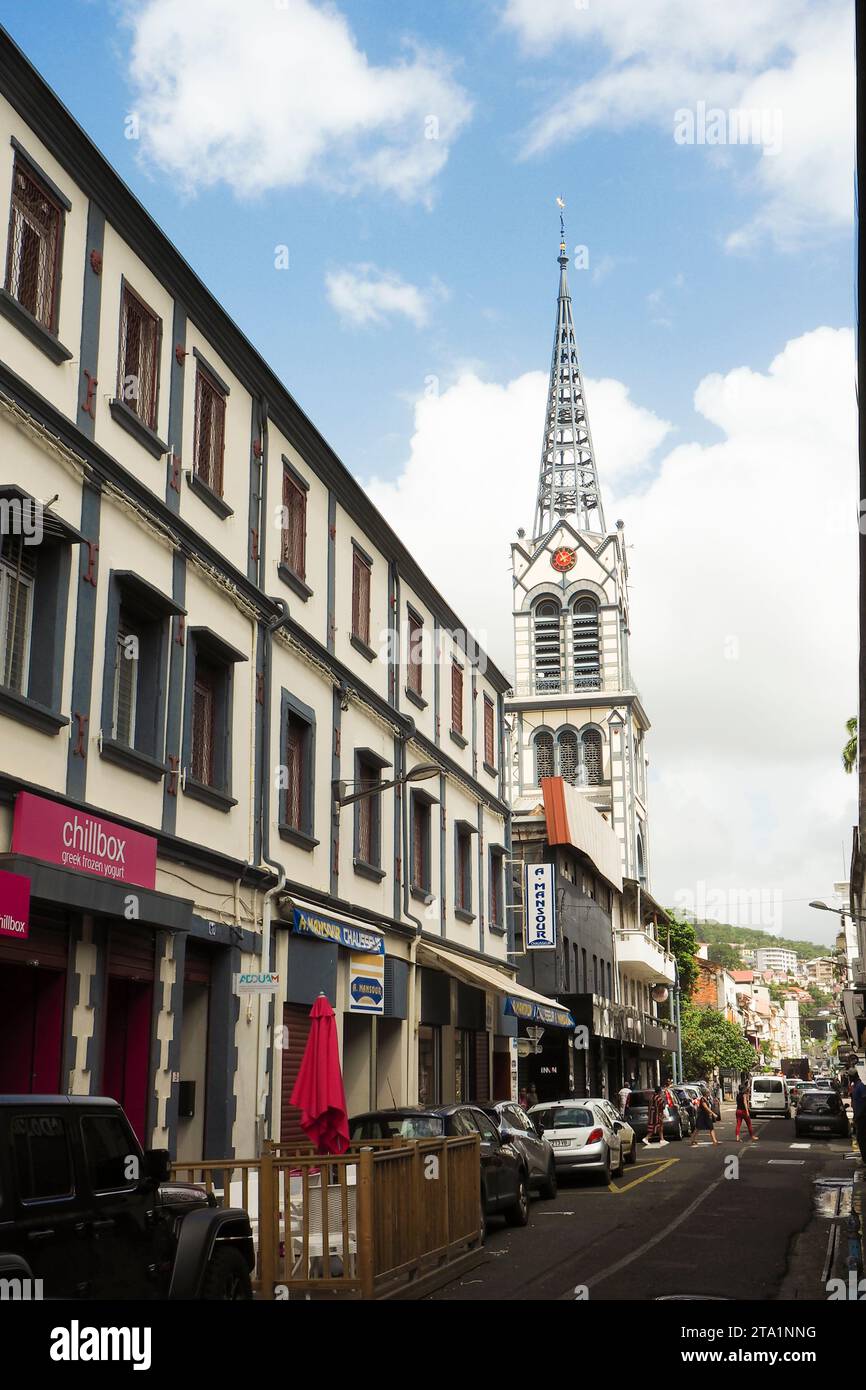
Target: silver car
[(584, 1135)]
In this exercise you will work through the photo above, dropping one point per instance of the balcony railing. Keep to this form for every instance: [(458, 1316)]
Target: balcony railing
[(642, 954), (577, 685)]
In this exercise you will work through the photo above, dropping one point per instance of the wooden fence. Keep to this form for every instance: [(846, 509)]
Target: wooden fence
[(379, 1221)]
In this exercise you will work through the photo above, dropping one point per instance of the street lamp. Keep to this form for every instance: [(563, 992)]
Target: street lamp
[(842, 911), (421, 772)]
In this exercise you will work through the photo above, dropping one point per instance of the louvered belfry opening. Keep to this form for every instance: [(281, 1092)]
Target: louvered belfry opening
[(17, 580), (294, 525), (592, 757), (548, 648), (32, 258), (569, 758), (585, 644), (544, 762), (210, 411), (138, 367)]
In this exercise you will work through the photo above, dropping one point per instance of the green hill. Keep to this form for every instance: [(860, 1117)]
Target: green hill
[(714, 933)]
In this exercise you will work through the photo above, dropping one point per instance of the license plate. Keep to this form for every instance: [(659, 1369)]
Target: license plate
[(822, 1129), (560, 1143)]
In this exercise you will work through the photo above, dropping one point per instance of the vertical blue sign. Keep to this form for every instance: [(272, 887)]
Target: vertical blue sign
[(539, 906)]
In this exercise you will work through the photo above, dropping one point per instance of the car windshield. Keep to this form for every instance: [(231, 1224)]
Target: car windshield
[(767, 1086), (638, 1101), (567, 1117), (820, 1100), (421, 1127)]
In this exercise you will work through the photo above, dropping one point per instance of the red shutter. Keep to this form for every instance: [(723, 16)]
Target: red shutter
[(361, 598), (295, 528), (296, 1021)]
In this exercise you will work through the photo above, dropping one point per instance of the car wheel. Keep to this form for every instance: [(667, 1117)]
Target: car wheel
[(618, 1172), (605, 1170), (631, 1156), (550, 1185), (227, 1277), (518, 1213), (679, 1132)]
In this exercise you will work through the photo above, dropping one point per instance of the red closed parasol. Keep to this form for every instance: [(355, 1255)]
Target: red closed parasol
[(318, 1092)]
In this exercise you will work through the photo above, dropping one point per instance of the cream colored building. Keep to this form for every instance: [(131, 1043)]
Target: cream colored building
[(215, 642)]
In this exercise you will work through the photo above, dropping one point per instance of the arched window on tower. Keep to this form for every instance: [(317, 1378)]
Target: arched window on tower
[(592, 757), (585, 643), (569, 757), (544, 766), (547, 626)]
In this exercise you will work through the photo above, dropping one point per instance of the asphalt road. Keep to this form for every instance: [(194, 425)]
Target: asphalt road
[(681, 1221)]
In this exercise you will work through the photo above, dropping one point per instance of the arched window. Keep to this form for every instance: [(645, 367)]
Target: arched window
[(569, 758), (585, 645), (548, 649), (641, 865), (543, 756), (592, 757)]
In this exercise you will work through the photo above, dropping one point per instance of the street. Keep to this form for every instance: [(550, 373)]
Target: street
[(674, 1225)]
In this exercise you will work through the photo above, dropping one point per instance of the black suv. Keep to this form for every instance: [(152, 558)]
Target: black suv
[(85, 1211)]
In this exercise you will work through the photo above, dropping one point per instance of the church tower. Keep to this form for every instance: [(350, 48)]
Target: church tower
[(576, 711)]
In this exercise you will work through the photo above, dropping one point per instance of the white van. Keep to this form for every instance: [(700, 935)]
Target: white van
[(769, 1095)]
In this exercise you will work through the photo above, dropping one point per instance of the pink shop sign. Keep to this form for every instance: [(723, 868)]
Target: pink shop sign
[(88, 844), (14, 905)]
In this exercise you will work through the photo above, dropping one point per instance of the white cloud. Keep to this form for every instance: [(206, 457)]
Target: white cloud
[(795, 57), (263, 95), (363, 295), (743, 595)]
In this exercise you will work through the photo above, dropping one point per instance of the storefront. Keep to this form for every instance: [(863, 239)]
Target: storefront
[(351, 964), (34, 954)]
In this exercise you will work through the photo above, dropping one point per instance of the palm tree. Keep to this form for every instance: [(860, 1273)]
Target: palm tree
[(849, 752)]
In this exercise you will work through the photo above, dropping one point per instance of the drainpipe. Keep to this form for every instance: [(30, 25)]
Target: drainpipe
[(267, 901), (413, 945)]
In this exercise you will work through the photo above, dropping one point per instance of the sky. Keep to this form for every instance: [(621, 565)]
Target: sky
[(369, 189)]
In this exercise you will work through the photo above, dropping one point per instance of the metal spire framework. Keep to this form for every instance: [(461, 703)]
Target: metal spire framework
[(568, 479)]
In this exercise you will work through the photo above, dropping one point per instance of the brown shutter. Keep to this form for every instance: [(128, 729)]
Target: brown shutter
[(480, 1067), (414, 672), (197, 963), (131, 953), (456, 698), (294, 774), (47, 946), (489, 755), (296, 1021)]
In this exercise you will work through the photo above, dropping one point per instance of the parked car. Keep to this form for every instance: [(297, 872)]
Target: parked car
[(504, 1172), (676, 1119), (626, 1133), (516, 1128), (768, 1095), (820, 1111), (584, 1136), (85, 1210), (796, 1087)]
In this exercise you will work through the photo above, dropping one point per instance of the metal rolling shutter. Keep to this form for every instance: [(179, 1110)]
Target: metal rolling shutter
[(296, 1021), (46, 946), (131, 953), (197, 964), (481, 1067)]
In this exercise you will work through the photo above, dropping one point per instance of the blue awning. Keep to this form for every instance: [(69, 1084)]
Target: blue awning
[(530, 1012)]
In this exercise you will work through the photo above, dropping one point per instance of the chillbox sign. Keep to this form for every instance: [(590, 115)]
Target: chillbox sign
[(73, 839), (14, 905)]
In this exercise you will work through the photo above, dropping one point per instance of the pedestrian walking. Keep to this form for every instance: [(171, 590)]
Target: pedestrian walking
[(743, 1112), (706, 1120), (531, 1096), (655, 1132), (858, 1105), (625, 1092)]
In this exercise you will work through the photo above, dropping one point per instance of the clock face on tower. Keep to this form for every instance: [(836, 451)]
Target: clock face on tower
[(563, 559)]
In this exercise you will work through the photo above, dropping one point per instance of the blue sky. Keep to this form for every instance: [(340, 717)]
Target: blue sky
[(714, 320)]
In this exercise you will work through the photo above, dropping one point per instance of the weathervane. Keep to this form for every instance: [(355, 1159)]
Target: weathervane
[(560, 203)]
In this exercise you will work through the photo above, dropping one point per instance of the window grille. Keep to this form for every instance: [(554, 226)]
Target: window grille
[(585, 644), (548, 650), (138, 364), (295, 759), (33, 255), (544, 764), (210, 411), (126, 655), (592, 757), (17, 578), (294, 525)]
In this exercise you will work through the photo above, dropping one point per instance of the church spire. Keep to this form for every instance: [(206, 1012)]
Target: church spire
[(568, 480)]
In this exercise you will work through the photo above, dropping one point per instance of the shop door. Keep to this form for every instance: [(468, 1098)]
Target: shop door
[(32, 995), (192, 1091), (128, 1019), (296, 1023)]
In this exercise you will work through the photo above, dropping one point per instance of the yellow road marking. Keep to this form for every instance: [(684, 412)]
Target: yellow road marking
[(659, 1167)]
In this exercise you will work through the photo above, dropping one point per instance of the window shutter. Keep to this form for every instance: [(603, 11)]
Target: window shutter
[(139, 339), (456, 698), (585, 644), (361, 598), (125, 685), (295, 528), (210, 432), (17, 576), (203, 722), (489, 753), (416, 639), (294, 804), (34, 245)]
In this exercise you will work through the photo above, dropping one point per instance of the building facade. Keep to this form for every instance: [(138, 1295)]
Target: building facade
[(776, 958), (243, 735), (578, 737)]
